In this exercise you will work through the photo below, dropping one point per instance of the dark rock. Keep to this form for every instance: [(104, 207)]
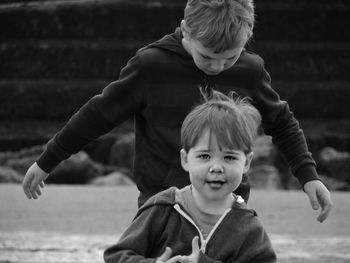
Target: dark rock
[(115, 178), (122, 151), (9, 175), (266, 153), (333, 184), (78, 169), (334, 164), (264, 177), (21, 160)]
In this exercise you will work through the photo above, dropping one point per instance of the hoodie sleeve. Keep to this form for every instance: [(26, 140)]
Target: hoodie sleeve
[(256, 246), (116, 104), (137, 242), (280, 123)]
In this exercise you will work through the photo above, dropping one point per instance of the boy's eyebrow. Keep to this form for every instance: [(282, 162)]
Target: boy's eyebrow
[(202, 150), (206, 56), (231, 152)]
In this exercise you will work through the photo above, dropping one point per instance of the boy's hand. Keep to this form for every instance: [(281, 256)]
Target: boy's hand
[(165, 257), (33, 180), (319, 196), (194, 257)]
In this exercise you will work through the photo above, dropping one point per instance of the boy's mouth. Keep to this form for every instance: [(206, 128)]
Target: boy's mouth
[(215, 183)]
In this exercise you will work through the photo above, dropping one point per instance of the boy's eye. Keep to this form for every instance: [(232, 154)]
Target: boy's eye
[(204, 156), (230, 158), (205, 57)]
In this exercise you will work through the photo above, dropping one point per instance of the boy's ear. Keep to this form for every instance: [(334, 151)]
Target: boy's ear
[(249, 158), (183, 156), (184, 29)]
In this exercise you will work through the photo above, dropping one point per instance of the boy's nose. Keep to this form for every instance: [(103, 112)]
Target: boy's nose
[(216, 169)]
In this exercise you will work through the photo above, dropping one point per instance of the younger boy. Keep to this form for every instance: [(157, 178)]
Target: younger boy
[(159, 86), (216, 138)]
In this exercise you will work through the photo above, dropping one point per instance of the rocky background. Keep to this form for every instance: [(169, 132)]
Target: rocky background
[(55, 55)]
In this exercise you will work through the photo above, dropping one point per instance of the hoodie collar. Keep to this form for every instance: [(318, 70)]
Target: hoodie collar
[(171, 42)]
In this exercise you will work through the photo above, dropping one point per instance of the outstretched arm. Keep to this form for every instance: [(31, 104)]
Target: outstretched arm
[(117, 103), (279, 122)]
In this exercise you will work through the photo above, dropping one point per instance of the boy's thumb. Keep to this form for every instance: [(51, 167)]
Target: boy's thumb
[(195, 245), (313, 201), (166, 255)]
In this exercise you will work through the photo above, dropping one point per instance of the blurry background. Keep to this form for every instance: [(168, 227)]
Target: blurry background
[(55, 55)]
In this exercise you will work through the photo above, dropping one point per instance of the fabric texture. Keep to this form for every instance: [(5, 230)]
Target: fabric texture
[(240, 236), (158, 87)]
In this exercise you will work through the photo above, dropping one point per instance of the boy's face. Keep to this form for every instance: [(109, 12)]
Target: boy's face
[(206, 60), (214, 172)]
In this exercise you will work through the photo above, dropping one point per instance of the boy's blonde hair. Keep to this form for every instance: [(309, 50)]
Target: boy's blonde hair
[(234, 122), (220, 24)]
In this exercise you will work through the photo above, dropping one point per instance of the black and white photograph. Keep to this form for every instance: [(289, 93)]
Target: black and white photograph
[(166, 131)]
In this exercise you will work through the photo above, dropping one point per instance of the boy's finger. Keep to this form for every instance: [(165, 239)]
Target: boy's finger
[(26, 187), (35, 185), (313, 200), (27, 193), (175, 259), (33, 191), (195, 245), (166, 255), (38, 191), (324, 213), (34, 195)]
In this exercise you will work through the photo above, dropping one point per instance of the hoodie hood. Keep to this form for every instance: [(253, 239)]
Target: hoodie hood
[(170, 197), (170, 42)]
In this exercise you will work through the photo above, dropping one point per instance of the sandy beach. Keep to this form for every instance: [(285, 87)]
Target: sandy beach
[(76, 224)]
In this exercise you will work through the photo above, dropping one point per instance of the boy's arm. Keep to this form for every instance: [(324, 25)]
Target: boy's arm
[(137, 242), (257, 247), (279, 122), (117, 103)]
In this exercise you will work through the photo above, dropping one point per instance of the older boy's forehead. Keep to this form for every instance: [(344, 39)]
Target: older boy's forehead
[(228, 54)]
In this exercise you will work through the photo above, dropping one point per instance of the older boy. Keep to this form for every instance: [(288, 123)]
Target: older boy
[(159, 86), (217, 139)]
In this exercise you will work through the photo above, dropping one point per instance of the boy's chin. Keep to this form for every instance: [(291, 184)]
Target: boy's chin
[(211, 73)]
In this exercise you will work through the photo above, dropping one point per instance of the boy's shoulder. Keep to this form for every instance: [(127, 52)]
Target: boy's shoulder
[(154, 59), (241, 210), (251, 60), (163, 198), (245, 217), (152, 53)]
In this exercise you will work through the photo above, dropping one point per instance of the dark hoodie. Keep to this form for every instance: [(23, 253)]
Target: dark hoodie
[(163, 222), (158, 87)]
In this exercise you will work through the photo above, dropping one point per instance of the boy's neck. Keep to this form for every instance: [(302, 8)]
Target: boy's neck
[(210, 206)]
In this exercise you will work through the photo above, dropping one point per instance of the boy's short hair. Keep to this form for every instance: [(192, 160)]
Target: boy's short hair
[(234, 122), (220, 24)]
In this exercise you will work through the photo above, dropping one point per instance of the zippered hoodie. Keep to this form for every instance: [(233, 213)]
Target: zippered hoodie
[(158, 87), (163, 222)]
